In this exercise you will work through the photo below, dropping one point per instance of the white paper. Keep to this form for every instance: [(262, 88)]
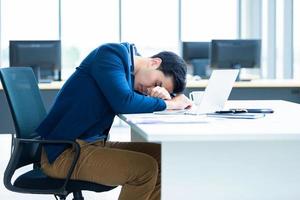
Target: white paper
[(168, 119)]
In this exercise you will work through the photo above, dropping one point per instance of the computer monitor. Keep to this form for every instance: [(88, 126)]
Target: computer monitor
[(197, 54), (44, 56), (195, 50), (235, 54)]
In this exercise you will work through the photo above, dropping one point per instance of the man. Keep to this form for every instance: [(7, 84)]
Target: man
[(110, 81)]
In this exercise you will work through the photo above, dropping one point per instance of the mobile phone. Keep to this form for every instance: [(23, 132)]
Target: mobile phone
[(231, 111), (260, 110)]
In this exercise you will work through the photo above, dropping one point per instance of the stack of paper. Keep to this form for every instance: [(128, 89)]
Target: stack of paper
[(237, 115)]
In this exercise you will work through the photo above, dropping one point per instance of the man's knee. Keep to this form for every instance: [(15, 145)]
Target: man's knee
[(151, 165), (147, 168)]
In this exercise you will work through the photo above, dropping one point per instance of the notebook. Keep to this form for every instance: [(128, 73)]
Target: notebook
[(215, 95)]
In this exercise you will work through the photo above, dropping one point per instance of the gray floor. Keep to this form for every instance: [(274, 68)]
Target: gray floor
[(118, 133)]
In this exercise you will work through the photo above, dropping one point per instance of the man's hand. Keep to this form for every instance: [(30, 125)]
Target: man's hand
[(159, 92), (179, 102)]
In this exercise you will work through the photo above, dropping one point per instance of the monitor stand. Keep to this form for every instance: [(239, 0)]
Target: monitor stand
[(39, 76), (237, 66)]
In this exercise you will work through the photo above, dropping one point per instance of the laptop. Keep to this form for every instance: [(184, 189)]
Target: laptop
[(215, 95)]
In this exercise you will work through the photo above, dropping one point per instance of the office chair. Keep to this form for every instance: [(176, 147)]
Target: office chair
[(27, 108)]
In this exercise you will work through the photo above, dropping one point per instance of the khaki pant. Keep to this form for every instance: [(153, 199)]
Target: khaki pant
[(134, 165)]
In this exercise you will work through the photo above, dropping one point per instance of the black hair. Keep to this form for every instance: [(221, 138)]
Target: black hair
[(174, 66)]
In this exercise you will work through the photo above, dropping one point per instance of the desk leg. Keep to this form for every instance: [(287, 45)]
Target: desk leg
[(231, 170), (136, 137)]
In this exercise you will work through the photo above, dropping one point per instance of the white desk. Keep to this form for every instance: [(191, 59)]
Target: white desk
[(230, 159)]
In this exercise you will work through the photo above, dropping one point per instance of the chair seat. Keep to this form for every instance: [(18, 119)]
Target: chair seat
[(36, 179)]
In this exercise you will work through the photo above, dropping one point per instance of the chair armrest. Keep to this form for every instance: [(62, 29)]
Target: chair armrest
[(19, 141)]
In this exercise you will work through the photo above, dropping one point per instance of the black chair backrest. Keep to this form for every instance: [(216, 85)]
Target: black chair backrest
[(26, 105)]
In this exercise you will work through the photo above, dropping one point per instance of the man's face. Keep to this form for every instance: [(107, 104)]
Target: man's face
[(149, 78)]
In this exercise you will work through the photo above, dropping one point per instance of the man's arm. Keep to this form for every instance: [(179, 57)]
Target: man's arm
[(179, 102)]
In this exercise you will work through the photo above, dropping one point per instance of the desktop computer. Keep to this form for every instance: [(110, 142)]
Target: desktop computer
[(196, 54), (44, 56), (235, 54)]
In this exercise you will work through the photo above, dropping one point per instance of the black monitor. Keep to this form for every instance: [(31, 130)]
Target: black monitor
[(195, 50), (197, 54), (235, 54), (44, 56)]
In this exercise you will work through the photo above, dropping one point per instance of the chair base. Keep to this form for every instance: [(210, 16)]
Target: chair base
[(78, 196)]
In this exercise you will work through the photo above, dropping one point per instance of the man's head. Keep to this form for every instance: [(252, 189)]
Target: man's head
[(165, 69), (173, 66)]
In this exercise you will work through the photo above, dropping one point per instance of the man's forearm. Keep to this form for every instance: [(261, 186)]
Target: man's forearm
[(178, 102)]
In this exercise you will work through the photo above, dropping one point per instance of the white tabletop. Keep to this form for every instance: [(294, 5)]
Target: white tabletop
[(282, 124)]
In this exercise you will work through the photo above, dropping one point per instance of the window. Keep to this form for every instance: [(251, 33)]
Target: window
[(279, 38), (265, 54), (86, 24), (296, 39), (83, 25), (27, 20), (204, 20), (151, 25)]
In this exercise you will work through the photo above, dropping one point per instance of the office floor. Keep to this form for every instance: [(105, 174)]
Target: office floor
[(118, 133)]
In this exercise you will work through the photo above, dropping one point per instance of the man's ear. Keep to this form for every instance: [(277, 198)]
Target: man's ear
[(155, 62)]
